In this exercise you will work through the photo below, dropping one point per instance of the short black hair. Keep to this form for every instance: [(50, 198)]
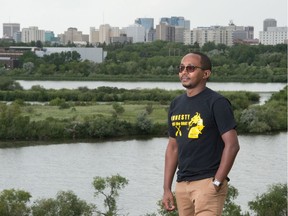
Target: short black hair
[(205, 60)]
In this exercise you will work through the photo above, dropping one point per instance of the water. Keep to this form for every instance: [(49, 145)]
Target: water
[(45, 170), (254, 87), (264, 89)]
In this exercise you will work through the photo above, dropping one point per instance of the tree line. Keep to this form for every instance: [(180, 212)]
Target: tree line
[(16, 202), (158, 61)]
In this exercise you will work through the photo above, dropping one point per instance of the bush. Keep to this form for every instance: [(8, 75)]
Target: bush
[(66, 203), (274, 202), (14, 202)]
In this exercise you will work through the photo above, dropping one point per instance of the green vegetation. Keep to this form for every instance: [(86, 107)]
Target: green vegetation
[(108, 112), (16, 202), (157, 61), (274, 202)]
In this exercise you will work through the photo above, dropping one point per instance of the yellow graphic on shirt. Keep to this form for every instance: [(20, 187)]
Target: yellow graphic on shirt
[(195, 126)]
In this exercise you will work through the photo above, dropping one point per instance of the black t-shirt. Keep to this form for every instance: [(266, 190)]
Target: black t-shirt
[(197, 123)]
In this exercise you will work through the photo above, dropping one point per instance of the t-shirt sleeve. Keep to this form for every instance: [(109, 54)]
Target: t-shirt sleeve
[(223, 115)]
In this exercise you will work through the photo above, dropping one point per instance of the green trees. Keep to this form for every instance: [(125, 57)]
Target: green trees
[(109, 188), (158, 61), (273, 202), (14, 203), (268, 117), (66, 203), (9, 84)]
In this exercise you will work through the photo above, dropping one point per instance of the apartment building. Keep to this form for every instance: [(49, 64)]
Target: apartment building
[(228, 35), (32, 34), (273, 36)]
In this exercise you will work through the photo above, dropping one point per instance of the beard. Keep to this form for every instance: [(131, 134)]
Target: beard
[(188, 85)]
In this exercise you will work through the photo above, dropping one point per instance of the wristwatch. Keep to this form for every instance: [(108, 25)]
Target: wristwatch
[(216, 182)]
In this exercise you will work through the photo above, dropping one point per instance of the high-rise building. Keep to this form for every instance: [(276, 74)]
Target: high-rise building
[(269, 23), (179, 34), (137, 32), (49, 36), (165, 32), (94, 36), (72, 35), (17, 36), (9, 29), (273, 36), (147, 23), (104, 33), (176, 21), (228, 35), (32, 34)]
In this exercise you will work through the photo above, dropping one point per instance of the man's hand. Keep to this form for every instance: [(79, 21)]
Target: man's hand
[(168, 201)]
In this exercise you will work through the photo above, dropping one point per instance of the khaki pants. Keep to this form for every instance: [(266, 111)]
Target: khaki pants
[(200, 198)]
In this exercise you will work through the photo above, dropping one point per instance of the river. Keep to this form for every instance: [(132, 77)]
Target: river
[(229, 86), (263, 89)]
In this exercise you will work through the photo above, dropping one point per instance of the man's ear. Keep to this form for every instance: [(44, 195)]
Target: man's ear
[(207, 74)]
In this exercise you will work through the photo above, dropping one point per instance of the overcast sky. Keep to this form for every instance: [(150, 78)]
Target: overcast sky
[(59, 15)]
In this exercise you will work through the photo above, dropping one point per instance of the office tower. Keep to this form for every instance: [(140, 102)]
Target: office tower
[(49, 36), (165, 32), (32, 34), (250, 32), (176, 21), (9, 29), (104, 33), (269, 23), (148, 24), (179, 34), (94, 36), (17, 36), (137, 32)]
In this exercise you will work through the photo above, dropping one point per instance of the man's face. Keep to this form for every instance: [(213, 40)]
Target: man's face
[(191, 72)]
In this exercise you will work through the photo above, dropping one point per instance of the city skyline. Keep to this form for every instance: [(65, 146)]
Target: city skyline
[(58, 16)]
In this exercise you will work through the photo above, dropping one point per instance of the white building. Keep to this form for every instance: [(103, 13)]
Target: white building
[(136, 31), (93, 54), (179, 34), (104, 33), (32, 34), (227, 35), (273, 36)]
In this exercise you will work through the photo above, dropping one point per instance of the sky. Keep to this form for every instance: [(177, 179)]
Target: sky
[(59, 15)]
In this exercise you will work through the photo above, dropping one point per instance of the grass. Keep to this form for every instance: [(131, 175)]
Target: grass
[(41, 112)]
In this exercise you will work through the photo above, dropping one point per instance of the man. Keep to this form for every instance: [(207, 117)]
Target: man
[(202, 142)]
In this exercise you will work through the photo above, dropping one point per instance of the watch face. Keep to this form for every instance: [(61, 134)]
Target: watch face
[(217, 183)]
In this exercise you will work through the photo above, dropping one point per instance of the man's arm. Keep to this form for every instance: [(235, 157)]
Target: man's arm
[(171, 162), (230, 151)]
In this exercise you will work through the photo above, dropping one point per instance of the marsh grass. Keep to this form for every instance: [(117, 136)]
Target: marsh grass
[(131, 111)]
